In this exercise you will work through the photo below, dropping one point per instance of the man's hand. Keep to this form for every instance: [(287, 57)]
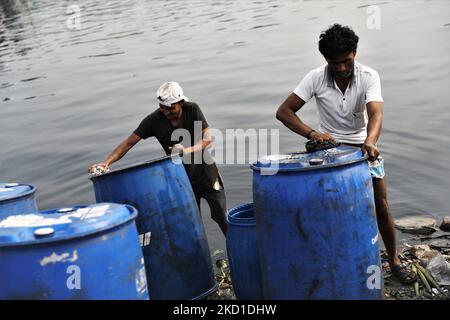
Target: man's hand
[(177, 149), (321, 137), (98, 168), (371, 150)]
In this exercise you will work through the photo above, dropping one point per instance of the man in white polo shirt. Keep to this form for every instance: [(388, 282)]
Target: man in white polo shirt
[(350, 110)]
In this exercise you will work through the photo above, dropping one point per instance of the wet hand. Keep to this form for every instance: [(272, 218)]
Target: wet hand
[(98, 168), (177, 149), (321, 137), (371, 151)]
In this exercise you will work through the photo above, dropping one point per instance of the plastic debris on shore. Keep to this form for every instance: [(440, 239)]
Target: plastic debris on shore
[(431, 267), (440, 269), (428, 255), (225, 289), (445, 225)]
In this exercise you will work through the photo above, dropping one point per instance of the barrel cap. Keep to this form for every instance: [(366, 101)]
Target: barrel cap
[(302, 161), (9, 191), (63, 223)]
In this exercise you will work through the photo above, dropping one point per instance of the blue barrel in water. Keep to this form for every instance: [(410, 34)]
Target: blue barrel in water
[(16, 198), (84, 252), (316, 226), (243, 253), (173, 239)]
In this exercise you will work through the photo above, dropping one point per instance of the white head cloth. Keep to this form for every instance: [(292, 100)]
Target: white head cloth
[(170, 93)]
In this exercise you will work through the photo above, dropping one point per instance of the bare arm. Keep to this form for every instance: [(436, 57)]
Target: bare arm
[(118, 152), (375, 115), (286, 113), (202, 144)]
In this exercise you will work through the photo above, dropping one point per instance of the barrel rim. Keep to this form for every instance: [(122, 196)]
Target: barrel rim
[(22, 195), (207, 293), (136, 165), (130, 218), (311, 168), (241, 221)]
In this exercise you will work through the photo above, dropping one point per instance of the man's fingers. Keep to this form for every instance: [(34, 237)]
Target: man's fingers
[(328, 137), (371, 151), (364, 151), (101, 166), (374, 155)]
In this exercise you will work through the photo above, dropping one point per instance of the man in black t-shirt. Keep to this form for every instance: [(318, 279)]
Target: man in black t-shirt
[(180, 127)]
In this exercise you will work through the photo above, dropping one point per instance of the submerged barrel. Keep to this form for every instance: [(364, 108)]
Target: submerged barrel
[(242, 253), (84, 252), (17, 198), (173, 239), (316, 226)]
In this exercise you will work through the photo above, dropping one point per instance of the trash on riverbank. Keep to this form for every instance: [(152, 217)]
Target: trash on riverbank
[(223, 278), (432, 274), (440, 269), (428, 255), (445, 225), (432, 268)]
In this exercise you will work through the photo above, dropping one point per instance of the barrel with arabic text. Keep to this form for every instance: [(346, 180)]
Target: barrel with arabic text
[(88, 252)]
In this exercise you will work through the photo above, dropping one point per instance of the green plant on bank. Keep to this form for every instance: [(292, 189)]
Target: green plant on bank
[(425, 287), (427, 279), (222, 265), (221, 275), (416, 283)]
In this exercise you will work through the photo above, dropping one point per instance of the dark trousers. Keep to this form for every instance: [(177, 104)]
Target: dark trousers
[(217, 203)]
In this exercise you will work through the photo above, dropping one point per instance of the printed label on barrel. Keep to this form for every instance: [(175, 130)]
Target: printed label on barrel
[(375, 239), (145, 239)]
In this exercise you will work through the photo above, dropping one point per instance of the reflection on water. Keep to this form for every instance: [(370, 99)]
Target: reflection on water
[(68, 96)]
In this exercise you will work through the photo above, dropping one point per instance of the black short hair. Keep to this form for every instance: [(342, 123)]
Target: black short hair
[(337, 40)]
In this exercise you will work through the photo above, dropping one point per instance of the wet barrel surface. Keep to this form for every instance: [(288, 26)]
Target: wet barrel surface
[(243, 253), (89, 252), (173, 239), (17, 198), (316, 226)]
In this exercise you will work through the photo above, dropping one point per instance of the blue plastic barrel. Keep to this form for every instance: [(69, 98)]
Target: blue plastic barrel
[(84, 252), (176, 253), (243, 253), (316, 226), (17, 198)]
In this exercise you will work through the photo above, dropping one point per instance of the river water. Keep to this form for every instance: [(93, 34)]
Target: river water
[(71, 89)]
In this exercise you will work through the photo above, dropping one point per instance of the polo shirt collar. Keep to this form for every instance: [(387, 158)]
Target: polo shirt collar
[(330, 79)]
